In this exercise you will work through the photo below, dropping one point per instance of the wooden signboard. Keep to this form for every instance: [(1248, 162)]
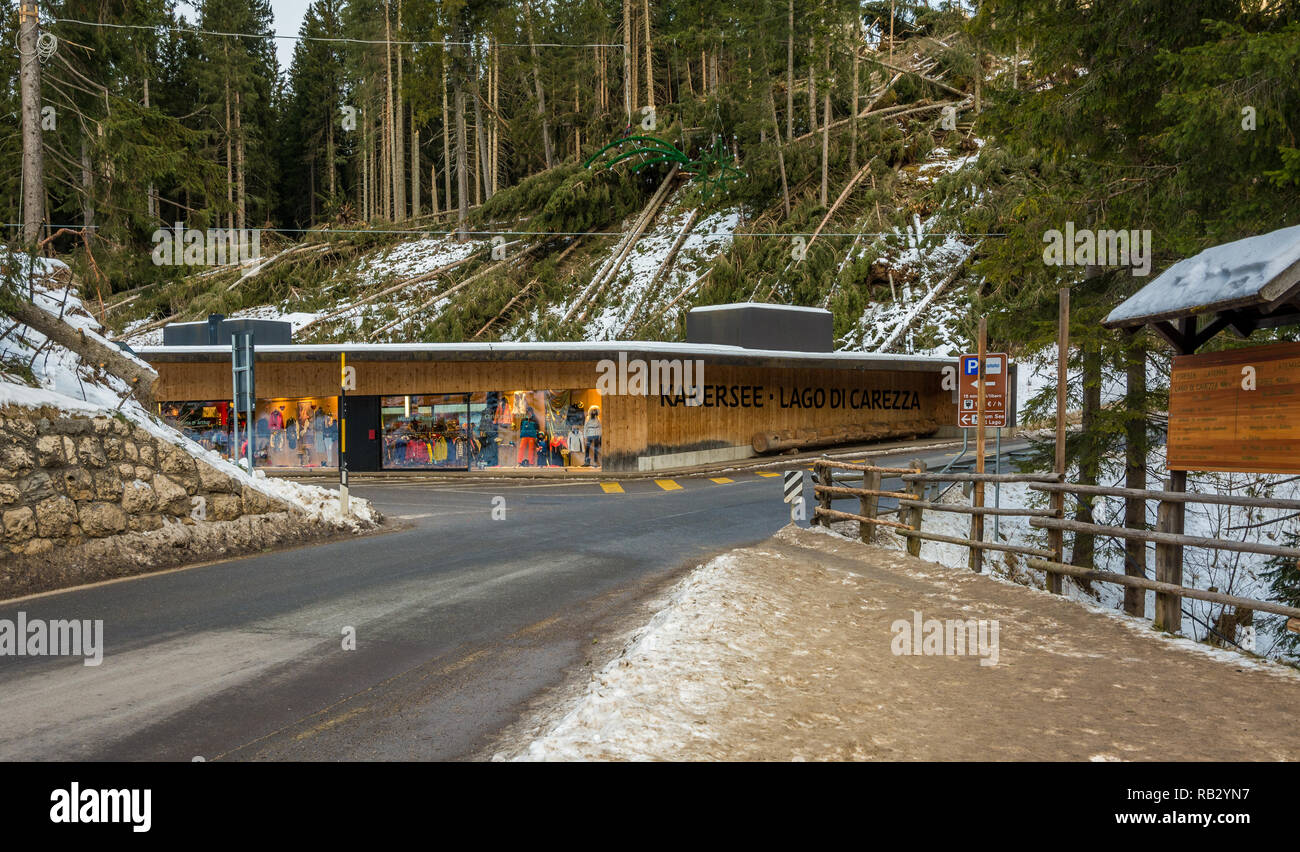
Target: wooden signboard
[(1236, 411), (995, 391)]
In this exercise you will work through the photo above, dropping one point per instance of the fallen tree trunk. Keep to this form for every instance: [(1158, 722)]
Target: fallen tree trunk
[(93, 349), (422, 277), (836, 206), (663, 268), (610, 268), (869, 57), (451, 290), (774, 441)]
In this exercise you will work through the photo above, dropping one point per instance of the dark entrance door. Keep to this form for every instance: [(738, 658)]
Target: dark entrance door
[(362, 418)]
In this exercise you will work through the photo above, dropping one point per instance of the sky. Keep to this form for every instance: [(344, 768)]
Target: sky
[(288, 17)]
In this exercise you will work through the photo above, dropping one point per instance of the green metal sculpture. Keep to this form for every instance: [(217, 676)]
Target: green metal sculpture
[(713, 170)]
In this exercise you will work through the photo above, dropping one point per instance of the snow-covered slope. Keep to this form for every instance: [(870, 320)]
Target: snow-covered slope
[(59, 379)]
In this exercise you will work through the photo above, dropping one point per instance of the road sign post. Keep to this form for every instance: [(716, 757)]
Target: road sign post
[(996, 397), (345, 505), (982, 401), (241, 368), (793, 490)]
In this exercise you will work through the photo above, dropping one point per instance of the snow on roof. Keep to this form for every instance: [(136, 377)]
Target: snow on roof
[(595, 347), (766, 305), (1254, 270)]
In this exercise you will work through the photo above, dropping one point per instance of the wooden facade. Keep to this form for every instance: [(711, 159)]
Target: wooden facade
[(793, 400)]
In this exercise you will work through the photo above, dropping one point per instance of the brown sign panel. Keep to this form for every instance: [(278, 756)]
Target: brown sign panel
[(1236, 411), (995, 391)]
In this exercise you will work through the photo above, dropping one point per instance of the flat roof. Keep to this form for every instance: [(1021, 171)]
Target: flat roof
[(576, 351)]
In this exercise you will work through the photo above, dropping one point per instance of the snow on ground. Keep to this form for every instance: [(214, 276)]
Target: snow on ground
[(66, 383), (786, 651), (281, 314), (416, 257), (153, 337), (943, 162), (923, 316), (385, 268), (631, 293), (927, 306), (648, 700)]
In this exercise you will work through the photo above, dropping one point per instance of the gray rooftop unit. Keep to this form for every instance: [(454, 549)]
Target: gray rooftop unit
[(216, 330), (754, 325)]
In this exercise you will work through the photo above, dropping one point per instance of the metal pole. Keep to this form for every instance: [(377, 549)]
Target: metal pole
[(345, 504), (234, 399), (997, 486), (248, 423), (977, 520)]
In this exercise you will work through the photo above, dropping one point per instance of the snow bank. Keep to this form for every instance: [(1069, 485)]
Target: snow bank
[(644, 703), (65, 383)]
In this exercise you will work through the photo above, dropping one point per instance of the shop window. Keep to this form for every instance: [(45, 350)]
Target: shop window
[(429, 431), (300, 433), (207, 424), (547, 428)]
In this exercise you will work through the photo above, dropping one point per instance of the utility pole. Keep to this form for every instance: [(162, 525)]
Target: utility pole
[(33, 151)]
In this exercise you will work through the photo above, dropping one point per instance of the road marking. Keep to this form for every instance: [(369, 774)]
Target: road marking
[(721, 480), (611, 488), (768, 473), (667, 485), (415, 517)]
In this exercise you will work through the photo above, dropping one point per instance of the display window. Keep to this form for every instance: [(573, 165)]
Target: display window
[(208, 424), (299, 433), (539, 428), (428, 431)]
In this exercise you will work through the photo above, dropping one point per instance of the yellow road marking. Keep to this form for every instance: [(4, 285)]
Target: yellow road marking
[(667, 485), (611, 487), (721, 480), (767, 473)]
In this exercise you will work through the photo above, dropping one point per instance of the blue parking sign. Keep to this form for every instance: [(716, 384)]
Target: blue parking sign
[(970, 366)]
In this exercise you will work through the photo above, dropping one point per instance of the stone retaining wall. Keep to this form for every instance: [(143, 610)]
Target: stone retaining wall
[(87, 498)]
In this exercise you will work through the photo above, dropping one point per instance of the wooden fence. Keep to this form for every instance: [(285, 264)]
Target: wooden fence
[(1169, 542)]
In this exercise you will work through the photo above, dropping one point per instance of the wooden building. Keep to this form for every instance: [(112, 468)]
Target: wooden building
[(466, 406)]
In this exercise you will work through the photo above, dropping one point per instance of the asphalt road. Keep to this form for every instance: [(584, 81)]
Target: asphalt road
[(485, 596)]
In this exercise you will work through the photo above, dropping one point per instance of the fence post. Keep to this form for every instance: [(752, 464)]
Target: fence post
[(1169, 568), (868, 505), (1056, 538), (823, 474), (914, 513), (976, 558)]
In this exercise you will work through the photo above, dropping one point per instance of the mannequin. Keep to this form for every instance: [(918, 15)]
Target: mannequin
[(592, 430), (528, 432)]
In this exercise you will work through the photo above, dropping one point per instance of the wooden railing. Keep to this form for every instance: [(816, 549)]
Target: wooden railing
[(828, 487), (1168, 583)]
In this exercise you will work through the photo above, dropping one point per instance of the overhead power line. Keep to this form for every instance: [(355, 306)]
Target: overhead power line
[(427, 233), (194, 31)]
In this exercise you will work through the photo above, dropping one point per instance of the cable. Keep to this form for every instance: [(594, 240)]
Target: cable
[(194, 31), (451, 232)]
